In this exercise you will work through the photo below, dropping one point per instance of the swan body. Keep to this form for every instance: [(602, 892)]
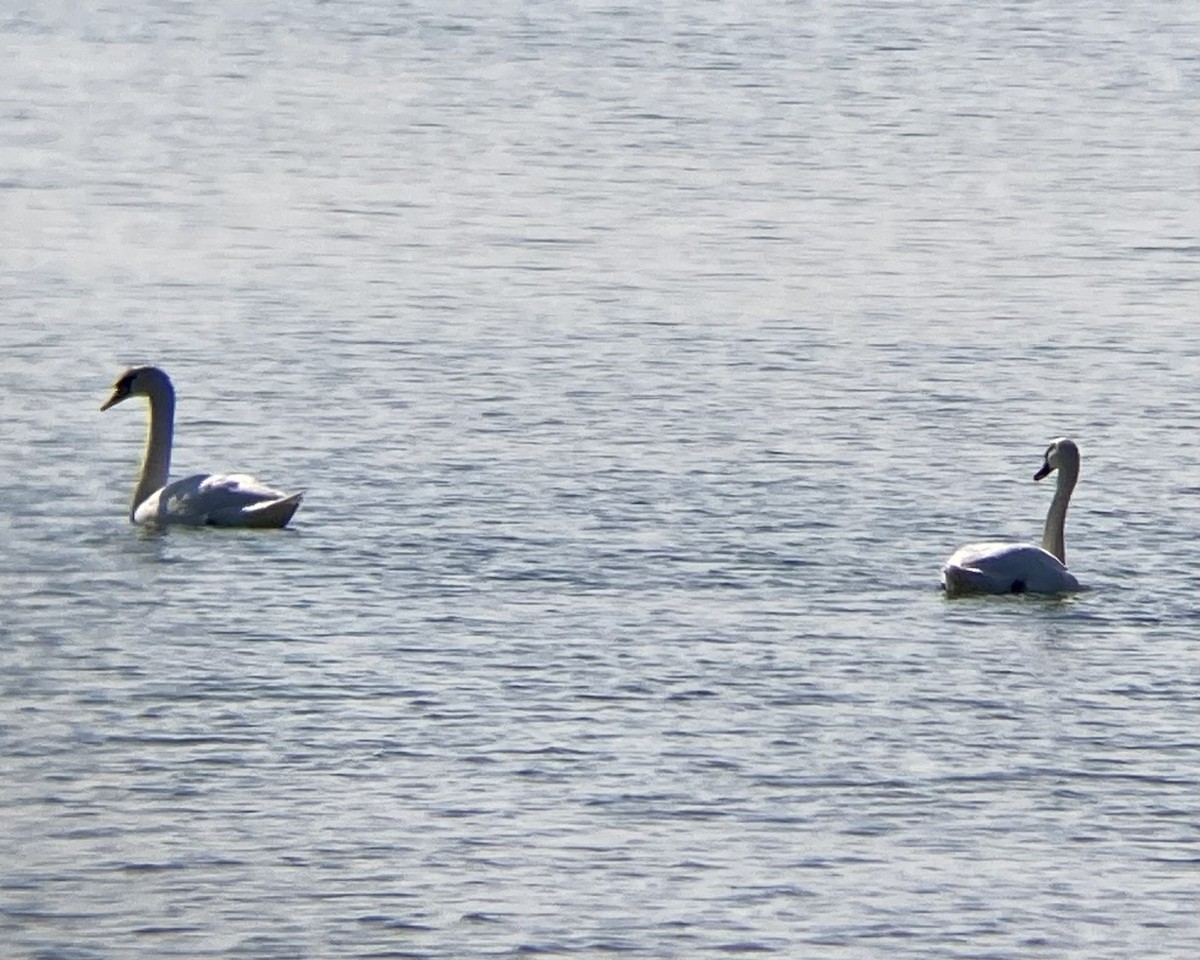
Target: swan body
[(1001, 567), (203, 499), (1006, 568)]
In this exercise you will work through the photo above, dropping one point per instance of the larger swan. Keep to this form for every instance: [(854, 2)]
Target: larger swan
[(1023, 567), (203, 499)]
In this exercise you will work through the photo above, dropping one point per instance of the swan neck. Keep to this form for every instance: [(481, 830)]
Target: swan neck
[(156, 461), (1054, 536)]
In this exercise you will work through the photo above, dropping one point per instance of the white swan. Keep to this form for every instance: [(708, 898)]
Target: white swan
[(1023, 567), (204, 499)]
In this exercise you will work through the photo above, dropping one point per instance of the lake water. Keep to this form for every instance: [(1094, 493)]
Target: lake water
[(642, 367)]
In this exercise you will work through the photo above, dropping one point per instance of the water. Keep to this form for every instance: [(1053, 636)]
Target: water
[(641, 368)]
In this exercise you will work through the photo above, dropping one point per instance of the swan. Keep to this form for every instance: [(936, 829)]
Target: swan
[(203, 499), (1023, 567)]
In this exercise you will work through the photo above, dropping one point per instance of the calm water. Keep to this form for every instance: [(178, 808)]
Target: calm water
[(641, 368)]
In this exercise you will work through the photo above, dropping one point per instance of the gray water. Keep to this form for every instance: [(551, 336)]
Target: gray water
[(641, 366)]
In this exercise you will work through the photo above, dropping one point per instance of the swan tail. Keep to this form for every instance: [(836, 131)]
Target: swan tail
[(960, 581), (265, 515), (274, 513)]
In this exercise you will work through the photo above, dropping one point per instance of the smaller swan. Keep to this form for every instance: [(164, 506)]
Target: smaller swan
[(203, 499), (1023, 567)]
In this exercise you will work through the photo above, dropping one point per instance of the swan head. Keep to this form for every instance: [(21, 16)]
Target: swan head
[(1063, 455), (137, 382)]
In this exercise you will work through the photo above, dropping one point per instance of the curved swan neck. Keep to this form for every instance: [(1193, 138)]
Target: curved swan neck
[(1054, 536), (156, 462)]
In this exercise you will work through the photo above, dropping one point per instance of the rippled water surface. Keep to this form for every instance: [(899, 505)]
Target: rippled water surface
[(641, 366)]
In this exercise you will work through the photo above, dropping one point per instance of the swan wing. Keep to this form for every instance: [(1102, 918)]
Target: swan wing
[(1000, 567), (218, 499)]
